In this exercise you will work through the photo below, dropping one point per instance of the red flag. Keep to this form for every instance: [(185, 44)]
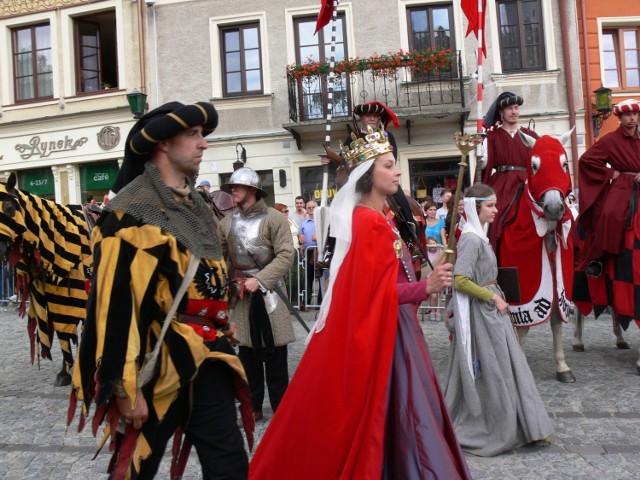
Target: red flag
[(326, 12), (470, 9)]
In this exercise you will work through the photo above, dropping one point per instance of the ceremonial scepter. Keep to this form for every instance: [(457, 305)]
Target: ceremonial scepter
[(465, 143)]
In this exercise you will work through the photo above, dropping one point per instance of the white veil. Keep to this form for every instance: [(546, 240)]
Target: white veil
[(474, 226), (340, 227)]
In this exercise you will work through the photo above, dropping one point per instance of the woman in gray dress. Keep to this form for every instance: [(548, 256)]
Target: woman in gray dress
[(491, 395)]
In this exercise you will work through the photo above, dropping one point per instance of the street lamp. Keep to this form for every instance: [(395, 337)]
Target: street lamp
[(241, 157), (604, 108), (137, 103)]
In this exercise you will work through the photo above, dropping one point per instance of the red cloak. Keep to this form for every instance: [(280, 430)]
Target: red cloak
[(331, 421)]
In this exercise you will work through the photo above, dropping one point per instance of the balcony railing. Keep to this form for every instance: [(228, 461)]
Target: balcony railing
[(403, 90)]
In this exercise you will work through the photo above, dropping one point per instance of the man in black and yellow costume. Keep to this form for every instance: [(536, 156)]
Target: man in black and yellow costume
[(142, 247)]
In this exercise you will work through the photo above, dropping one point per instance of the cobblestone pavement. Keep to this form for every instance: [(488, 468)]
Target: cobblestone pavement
[(596, 419)]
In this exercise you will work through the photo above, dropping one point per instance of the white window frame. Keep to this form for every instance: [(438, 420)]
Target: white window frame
[(217, 94), (549, 75), (291, 14), (68, 40), (7, 90), (607, 23)]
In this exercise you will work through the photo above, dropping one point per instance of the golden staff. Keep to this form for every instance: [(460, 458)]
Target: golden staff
[(465, 143)]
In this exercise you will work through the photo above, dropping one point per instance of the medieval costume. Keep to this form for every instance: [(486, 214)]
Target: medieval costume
[(142, 247), (491, 394), (508, 156), (257, 243), (365, 401), (609, 223)]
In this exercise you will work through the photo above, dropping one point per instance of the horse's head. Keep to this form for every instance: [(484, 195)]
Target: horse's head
[(12, 222), (548, 175)]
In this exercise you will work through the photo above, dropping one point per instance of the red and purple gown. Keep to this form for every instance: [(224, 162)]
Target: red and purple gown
[(364, 402)]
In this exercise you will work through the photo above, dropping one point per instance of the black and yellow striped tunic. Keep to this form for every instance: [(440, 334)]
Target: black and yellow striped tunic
[(138, 268)]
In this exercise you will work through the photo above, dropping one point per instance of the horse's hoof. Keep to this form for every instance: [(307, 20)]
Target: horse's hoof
[(565, 377), (623, 345), (578, 348), (62, 380)]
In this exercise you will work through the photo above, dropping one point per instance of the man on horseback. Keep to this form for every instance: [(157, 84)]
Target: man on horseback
[(609, 174), (506, 154)]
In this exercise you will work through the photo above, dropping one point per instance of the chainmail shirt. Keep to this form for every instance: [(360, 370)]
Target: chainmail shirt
[(150, 200)]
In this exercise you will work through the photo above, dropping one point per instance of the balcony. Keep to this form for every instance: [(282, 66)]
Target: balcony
[(410, 94)]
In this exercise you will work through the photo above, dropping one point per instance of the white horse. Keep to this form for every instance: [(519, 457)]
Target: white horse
[(537, 226)]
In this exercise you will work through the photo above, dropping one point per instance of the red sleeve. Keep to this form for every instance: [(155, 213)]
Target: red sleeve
[(415, 292), (593, 174)]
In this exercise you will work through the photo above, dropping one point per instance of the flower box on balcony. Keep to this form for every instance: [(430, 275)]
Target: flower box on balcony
[(422, 63)]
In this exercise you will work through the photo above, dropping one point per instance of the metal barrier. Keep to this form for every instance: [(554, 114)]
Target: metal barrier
[(7, 283), (434, 307), (305, 289)]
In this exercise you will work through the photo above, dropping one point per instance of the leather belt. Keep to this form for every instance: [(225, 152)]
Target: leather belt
[(510, 168), (198, 320)]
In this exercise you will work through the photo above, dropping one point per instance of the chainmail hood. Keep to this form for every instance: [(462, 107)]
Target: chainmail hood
[(150, 200)]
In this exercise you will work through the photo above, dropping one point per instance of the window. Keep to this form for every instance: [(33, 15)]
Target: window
[(313, 90), (430, 28), (521, 35), (96, 52), (32, 70), (241, 60), (621, 58)]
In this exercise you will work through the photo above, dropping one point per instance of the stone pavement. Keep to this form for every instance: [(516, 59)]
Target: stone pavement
[(596, 419)]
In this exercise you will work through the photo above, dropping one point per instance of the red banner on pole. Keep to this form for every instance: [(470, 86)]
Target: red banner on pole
[(476, 21), (326, 11)]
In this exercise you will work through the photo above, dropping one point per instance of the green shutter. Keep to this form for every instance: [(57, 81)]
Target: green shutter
[(38, 181), (98, 176)]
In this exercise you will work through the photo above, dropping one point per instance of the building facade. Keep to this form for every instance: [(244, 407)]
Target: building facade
[(237, 55), (66, 67), (610, 56)]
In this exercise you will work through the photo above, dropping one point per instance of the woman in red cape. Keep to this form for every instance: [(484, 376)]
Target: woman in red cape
[(364, 402)]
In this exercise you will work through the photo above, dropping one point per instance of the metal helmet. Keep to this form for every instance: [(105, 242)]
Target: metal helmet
[(247, 177)]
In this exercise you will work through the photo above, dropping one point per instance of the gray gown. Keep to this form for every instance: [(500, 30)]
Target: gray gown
[(501, 409)]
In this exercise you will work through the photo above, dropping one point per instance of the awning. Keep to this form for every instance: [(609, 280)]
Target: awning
[(38, 181)]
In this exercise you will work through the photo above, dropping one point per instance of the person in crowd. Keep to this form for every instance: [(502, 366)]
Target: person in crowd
[(435, 227), (442, 212), (434, 254), (256, 240), (491, 393), (308, 239), (505, 156), (609, 178), (293, 226), (143, 262), (461, 219), (205, 186), (365, 402), (300, 213)]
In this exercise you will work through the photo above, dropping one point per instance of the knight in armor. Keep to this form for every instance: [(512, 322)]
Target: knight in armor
[(257, 242), (156, 249), (506, 156)]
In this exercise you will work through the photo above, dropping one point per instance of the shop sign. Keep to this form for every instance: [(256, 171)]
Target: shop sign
[(108, 137), (42, 149)]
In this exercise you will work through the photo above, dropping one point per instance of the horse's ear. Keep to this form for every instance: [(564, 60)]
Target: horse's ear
[(565, 137), (11, 182), (528, 140)]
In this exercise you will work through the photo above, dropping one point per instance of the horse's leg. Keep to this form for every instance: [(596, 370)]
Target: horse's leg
[(621, 343), (578, 319), (563, 372)]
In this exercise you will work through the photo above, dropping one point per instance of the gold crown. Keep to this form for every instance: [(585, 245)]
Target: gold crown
[(373, 144)]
